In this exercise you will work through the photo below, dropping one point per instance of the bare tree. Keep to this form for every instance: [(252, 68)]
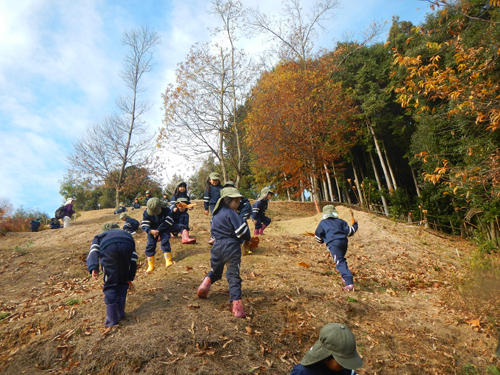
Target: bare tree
[(121, 140)]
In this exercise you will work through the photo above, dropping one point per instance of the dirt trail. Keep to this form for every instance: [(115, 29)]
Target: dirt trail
[(407, 313)]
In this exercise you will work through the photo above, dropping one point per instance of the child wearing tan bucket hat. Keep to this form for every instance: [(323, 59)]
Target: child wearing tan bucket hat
[(334, 353)]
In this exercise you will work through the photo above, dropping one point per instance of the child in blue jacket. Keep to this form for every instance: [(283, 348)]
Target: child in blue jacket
[(35, 224), (136, 204), (178, 212), (211, 196), (121, 208), (229, 233), (259, 208), (114, 249), (334, 232), (131, 225), (180, 191)]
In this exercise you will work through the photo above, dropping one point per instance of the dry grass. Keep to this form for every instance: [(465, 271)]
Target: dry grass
[(407, 313)]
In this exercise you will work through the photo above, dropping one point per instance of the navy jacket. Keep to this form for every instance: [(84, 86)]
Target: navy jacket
[(162, 222), (131, 225), (211, 196), (146, 200), (181, 195), (318, 368), (121, 209), (259, 209), (227, 224), (136, 206), (35, 224), (97, 251), (54, 225), (334, 229), (244, 209)]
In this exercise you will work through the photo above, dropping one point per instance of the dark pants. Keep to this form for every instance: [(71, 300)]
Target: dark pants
[(262, 220), (34, 230), (115, 261), (152, 241), (338, 249), (184, 219), (227, 251)]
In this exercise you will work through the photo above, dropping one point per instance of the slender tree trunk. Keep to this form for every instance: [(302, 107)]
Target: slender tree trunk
[(222, 118), (384, 202), (389, 166), (415, 180), (356, 182), (380, 156), (287, 189), (347, 195), (329, 182), (325, 191), (337, 183)]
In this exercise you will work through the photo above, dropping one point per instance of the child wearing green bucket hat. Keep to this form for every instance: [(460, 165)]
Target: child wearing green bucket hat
[(334, 232), (229, 232), (334, 353), (259, 208), (211, 196)]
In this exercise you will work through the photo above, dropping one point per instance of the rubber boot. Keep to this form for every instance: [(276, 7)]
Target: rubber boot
[(151, 264), (261, 231), (256, 232), (111, 315), (204, 287), (186, 239), (121, 307), (238, 309), (168, 259)]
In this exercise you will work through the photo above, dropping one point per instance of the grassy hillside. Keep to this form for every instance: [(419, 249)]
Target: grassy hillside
[(417, 308)]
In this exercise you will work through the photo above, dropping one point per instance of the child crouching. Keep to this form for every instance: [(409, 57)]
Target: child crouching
[(229, 232), (131, 225)]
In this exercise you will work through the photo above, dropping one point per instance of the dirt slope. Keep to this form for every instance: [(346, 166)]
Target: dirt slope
[(410, 312)]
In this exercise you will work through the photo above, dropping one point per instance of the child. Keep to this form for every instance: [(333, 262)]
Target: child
[(180, 191), (334, 232), (334, 353), (136, 204), (121, 208), (212, 195), (131, 225), (68, 212), (259, 208), (148, 197), (54, 224), (165, 198), (180, 216), (244, 211), (229, 232), (35, 224), (158, 223), (114, 249)]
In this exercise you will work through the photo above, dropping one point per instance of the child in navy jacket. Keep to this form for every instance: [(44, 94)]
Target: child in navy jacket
[(229, 233), (121, 208), (131, 225), (334, 232), (259, 212), (114, 249), (180, 192), (179, 214), (136, 204), (35, 224), (212, 192)]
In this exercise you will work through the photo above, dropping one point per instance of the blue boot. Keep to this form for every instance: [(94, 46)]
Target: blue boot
[(111, 315), (121, 307)]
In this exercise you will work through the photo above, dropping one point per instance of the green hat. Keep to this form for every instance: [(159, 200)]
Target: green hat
[(229, 183), (264, 192), (179, 184), (214, 176), (337, 340), (122, 215), (148, 192), (226, 192), (109, 226), (329, 211), (122, 204), (179, 200), (154, 207)]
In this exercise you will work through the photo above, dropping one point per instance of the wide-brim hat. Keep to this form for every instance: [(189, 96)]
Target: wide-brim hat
[(214, 176), (148, 192), (226, 192), (179, 200), (109, 226), (338, 341), (123, 215), (329, 211), (69, 200), (154, 207), (229, 184), (264, 192)]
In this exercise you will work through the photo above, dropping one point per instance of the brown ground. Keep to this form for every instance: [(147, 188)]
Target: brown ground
[(417, 308)]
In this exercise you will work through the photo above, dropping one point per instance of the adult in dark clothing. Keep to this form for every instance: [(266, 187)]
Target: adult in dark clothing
[(131, 225), (136, 204), (259, 208), (114, 249), (229, 233), (68, 212), (180, 216), (35, 224), (121, 208), (54, 224), (334, 232), (158, 223), (333, 354)]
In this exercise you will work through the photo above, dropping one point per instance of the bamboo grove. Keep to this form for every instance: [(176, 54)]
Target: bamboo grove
[(408, 127)]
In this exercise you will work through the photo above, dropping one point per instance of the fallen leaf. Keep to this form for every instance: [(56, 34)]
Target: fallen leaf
[(303, 264), (474, 322)]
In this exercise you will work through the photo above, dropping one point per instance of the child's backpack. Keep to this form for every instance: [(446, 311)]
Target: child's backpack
[(60, 213)]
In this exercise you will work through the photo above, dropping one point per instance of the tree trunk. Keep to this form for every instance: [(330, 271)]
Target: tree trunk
[(415, 180), (381, 158), (325, 191), (315, 191), (389, 166), (348, 197), (287, 189), (356, 182), (384, 203), (337, 183), (329, 183)]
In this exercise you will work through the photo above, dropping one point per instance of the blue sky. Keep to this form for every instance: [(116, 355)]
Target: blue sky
[(59, 64)]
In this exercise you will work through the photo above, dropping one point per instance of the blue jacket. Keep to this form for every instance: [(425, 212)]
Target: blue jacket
[(146, 200), (35, 224), (181, 195), (135, 206), (121, 209), (227, 224), (334, 229), (259, 209), (211, 196), (131, 225), (54, 225), (318, 368), (162, 222), (97, 251), (244, 209)]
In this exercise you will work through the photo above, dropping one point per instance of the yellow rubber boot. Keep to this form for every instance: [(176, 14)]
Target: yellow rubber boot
[(168, 259), (151, 264)]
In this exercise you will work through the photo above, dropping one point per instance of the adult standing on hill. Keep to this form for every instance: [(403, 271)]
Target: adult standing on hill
[(68, 212)]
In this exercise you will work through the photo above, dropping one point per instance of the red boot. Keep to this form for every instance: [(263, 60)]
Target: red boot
[(261, 230), (238, 309), (256, 232), (186, 239), (204, 288)]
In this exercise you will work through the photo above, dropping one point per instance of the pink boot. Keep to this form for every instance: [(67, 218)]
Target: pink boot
[(204, 288), (256, 232), (261, 230), (238, 309), (186, 239)]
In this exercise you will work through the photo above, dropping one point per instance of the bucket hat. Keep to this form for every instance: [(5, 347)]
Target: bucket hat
[(264, 192), (123, 215), (214, 176), (226, 192), (154, 207), (329, 211), (229, 184), (109, 226)]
